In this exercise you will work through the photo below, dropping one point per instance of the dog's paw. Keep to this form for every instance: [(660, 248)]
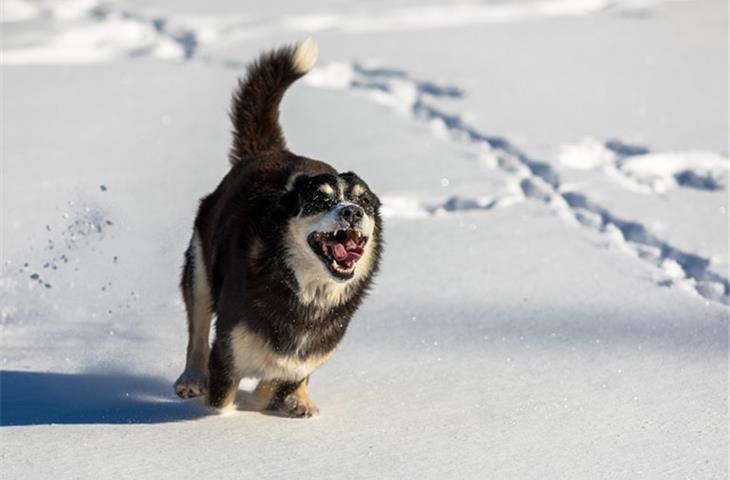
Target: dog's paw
[(297, 406), (191, 384)]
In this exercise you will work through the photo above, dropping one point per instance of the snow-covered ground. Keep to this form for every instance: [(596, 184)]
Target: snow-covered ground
[(554, 297)]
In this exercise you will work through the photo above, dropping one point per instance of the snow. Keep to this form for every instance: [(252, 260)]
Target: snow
[(645, 172), (553, 299)]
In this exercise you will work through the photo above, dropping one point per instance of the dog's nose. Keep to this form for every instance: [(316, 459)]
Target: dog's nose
[(352, 214)]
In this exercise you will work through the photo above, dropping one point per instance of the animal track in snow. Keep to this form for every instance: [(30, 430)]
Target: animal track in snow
[(641, 170), (398, 206), (537, 180), (89, 31)]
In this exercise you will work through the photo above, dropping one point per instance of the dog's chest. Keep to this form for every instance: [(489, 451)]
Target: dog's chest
[(256, 356)]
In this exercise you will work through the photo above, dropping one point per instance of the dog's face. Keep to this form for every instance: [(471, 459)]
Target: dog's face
[(332, 229)]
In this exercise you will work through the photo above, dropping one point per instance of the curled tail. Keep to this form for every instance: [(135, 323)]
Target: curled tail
[(255, 104)]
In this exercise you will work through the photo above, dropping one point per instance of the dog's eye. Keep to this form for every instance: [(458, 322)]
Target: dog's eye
[(326, 189)]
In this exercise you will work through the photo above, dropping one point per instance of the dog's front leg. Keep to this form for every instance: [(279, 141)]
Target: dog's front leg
[(223, 381)]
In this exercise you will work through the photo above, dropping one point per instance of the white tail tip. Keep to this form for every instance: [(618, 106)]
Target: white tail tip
[(305, 56)]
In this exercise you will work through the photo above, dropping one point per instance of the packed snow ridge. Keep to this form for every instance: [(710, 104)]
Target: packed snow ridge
[(89, 31), (86, 31)]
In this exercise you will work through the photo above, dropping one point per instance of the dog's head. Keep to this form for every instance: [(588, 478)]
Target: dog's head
[(333, 231)]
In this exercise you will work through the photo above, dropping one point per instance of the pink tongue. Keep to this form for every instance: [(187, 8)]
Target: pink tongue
[(339, 252)]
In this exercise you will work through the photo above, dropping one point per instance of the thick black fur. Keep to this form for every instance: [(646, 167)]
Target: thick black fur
[(242, 227), (250, 206), (255, 104)]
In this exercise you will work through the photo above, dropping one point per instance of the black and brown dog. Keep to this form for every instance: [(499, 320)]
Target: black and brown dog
[(282, 253)]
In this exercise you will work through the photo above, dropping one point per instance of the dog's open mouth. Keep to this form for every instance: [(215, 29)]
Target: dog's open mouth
[(339, 250)]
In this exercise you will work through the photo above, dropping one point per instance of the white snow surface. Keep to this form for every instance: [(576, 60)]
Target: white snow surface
[(553, 301), (649, 172)]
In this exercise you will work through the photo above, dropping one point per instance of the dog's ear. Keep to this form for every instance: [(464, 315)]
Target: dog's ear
[(350, 176), (290, 201)]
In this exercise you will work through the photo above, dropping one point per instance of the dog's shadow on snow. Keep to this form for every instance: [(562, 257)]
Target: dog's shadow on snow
[(38, 398)]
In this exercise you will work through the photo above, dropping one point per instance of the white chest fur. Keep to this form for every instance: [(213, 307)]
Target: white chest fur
[(254, 357)]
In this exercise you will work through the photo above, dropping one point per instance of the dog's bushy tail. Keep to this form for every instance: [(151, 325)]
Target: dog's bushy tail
[(255, 104)]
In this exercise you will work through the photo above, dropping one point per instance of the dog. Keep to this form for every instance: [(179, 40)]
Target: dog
[(282, 253)]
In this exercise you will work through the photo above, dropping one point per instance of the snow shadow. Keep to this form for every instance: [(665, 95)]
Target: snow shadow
[(41, 398), (698, 181), (609, 328)]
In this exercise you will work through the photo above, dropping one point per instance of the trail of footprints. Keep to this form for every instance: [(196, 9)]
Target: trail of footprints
[(537, 180)]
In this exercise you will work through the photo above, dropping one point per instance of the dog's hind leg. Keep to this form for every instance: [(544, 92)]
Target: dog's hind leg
[(285, 397), (193, 381)]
